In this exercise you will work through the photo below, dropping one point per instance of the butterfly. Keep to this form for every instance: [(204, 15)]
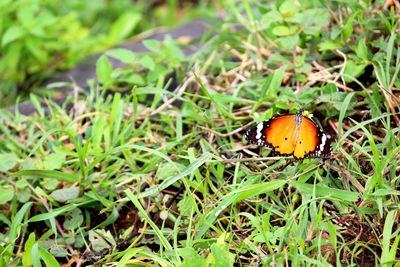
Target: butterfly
[(294, 135)]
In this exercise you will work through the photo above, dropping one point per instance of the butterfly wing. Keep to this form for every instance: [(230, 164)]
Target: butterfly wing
[(276, 133), (281, 135), (312, 142), (295, 135)]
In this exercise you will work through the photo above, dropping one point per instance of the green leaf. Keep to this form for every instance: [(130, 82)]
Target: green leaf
[(147, 62), (101, 239), (348, 28), (36, 103), (329, 45), (58, 211), (314, 20), (27, 255), (237, 195), (65, 194), (269, 18), (353, 70), (322, 191), (73, 219), (104, 70), (23, 195), (12, 34), (362, 49), (15, 228), (191, 258), (35, 46), (167, 182), (7, 161), (281, 30), (58, 251), (152, 45), (54, 161), (6, 194), (221, 254), (48, 259), (124, 55), (47, 174), (288, 8), (166, 170), (124, 26), (289, 42)]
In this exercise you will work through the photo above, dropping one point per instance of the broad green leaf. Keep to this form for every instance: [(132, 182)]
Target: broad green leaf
[(58, 251), (288, 8), (7, 161), (281, 30), (221, 254), (65, 194), (124, 55), (147, 62), (101, 239), (54, 160), (329, 45), (11, 34), (73, 219), (6, 194)]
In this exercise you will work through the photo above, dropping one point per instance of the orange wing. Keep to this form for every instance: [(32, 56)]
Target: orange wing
[(281, 134), (291, 135), (308, 139)]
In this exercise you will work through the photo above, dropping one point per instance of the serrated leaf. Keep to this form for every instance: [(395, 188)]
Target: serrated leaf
[(65, 194)]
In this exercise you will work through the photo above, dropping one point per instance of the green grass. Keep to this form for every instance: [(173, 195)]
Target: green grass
[(160, 175)]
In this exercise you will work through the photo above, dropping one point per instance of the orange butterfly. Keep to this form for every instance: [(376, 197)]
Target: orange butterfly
[(291, 135)]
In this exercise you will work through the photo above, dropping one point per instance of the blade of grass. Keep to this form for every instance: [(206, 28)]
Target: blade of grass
[(58, 175), (164, 242), (166, 183), (237, 195)]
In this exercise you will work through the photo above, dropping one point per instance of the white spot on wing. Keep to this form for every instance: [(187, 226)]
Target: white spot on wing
[(323, 140), (260, 127)]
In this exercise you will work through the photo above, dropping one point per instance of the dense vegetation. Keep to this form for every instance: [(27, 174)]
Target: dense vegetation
[(159, 174)]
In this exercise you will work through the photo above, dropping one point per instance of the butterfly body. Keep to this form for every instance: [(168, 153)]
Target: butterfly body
[(291, 135)]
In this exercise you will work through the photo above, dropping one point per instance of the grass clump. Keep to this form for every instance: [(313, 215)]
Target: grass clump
[(159, 174)]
